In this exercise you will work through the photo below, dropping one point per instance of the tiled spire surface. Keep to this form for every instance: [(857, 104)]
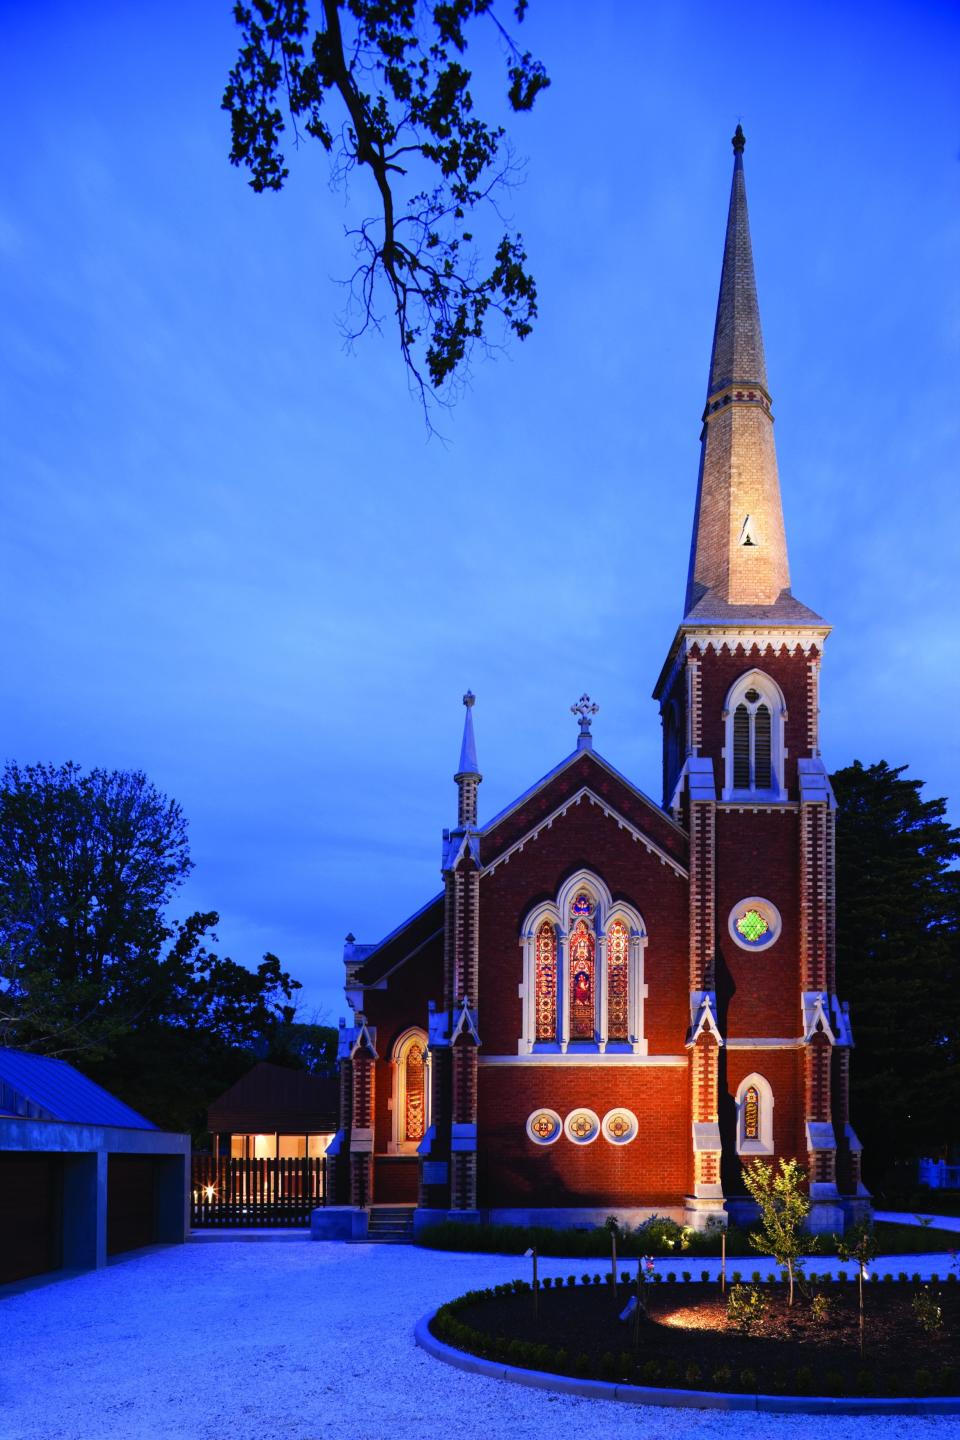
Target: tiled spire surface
[(738, 560)]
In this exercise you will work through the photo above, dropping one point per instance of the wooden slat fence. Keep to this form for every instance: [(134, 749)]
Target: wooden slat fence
[(256, 1192)]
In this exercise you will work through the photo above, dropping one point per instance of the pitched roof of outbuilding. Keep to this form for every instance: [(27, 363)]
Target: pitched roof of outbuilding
[(275, 1099), (45, 1089)]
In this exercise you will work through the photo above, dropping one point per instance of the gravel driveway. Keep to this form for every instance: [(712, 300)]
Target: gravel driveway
[(300, 1340)]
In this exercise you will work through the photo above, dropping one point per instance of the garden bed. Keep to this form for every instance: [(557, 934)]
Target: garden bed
[(687, 1339)]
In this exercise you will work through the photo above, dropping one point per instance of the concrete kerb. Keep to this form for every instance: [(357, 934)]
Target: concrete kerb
[(680, 1399)]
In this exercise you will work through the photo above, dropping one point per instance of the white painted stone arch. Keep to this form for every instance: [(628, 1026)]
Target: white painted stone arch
[(557, 913), (763, 1145), (772, 696)]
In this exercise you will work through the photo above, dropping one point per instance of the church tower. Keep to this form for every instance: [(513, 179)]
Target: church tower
[(742, 771)]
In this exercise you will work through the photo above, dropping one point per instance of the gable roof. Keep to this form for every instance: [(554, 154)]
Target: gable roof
[(528, 813), (39, 1088), (275, 1099)]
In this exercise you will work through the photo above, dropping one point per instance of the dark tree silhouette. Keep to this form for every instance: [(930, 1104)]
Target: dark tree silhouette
[(381, 85)]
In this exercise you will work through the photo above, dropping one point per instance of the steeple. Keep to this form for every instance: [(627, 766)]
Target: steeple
[(738, 559), (468, 776)]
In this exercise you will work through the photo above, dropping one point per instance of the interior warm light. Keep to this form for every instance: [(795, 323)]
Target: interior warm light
[(209, 1191)]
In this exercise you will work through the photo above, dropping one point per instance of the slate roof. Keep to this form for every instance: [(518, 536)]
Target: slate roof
[(44, 1089)]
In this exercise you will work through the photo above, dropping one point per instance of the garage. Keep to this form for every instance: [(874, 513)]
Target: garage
[(31, 1197), (131, 1202)]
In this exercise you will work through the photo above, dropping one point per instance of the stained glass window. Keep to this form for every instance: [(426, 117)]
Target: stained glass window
[(546, 982), (583, 905), (751, 1113), (752, 926), (618, 983), (415, 1092), (582, 983)]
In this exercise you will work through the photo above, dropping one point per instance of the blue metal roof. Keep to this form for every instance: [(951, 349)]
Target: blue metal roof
[(54, 1090)]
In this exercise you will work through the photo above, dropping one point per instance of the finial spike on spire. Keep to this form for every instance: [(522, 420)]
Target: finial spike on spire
[(468, 750), (739, 140)]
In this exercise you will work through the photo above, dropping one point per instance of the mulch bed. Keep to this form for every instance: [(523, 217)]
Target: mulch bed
[(688, 1341)]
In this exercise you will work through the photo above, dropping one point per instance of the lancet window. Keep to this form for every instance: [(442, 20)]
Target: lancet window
[(583, 968), (754, 741), (411, 1091), (754, 1116)]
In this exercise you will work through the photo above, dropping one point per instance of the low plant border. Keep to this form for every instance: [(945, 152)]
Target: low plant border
[(596, 1389)]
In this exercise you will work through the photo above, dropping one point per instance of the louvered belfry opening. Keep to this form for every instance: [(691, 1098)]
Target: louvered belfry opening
[(741, 748), (762, 774)]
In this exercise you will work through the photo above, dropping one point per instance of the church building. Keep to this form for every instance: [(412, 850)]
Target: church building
[(615, 1004)]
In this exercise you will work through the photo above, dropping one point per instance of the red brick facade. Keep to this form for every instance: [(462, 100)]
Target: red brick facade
[(621, 1003)]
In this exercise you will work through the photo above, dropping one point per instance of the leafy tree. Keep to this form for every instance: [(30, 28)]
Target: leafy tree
[(784, 1208), (381, 85), (898, 957), (858, 1244), (90, 967), (305, 1045)]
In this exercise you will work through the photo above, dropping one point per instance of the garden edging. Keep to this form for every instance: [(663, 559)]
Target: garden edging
[(681, 1399)]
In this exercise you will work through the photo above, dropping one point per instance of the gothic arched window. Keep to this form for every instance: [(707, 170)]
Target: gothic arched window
[(754, 1116), (545, 960), (411, 1091), (618, 981), (754, 741), (583, 989)]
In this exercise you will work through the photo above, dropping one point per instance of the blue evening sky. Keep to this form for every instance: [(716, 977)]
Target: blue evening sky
[(230, 555)]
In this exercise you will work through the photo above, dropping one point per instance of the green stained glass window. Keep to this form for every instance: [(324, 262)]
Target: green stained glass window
[(752, 926)]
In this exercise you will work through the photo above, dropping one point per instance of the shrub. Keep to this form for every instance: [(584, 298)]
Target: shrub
[(571, 1279), (746, 1308), (685, 1275), (625, 1363), (608, 1279), (659, 1235), (546, 1282), (756, 1277), (515, 1351), (671, 1276), (821, 1307), (608, 1366), (624, 1277), (928, 1311), (903, 1276), (866, 1384), (693, 1374), (541, 1357), (803, 1380), (736, 1277), (923, 1381), (585, 1278), (833, 1382), (705, 1276), (650, 1372), (671, 1371), (596, 1279), (561, 1361), (748, 1379), (581, 1366), (721, 1377)]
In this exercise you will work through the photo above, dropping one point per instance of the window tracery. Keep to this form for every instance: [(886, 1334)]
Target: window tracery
[(755, 714), (583, 967)]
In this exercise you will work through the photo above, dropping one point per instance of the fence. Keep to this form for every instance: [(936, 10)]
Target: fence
[(939, 1175), (256, 1192)]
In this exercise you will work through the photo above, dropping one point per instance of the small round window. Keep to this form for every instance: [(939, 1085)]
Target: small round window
[(582, 1126), (544, 1126), (755, 924)]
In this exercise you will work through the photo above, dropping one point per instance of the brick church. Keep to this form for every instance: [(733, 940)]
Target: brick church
[(615, 1004)]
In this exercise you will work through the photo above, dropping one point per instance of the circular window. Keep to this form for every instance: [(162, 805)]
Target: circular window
[(619, 1126), (544, 1127), (754, 924), (582, 1126)]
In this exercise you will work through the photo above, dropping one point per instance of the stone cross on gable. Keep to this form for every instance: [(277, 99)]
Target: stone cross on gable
[(585, 709)]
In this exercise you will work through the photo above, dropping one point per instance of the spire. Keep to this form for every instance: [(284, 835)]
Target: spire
[(468, 776), (738, 559)]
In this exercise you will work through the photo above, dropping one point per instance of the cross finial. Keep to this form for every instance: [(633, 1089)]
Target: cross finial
[(739, 140), (469, 699), (585, 709)]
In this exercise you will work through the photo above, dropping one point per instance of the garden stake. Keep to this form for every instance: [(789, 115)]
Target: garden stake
[(536, 1286), (636, 1313), (723, 1262), (613, 1262)]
